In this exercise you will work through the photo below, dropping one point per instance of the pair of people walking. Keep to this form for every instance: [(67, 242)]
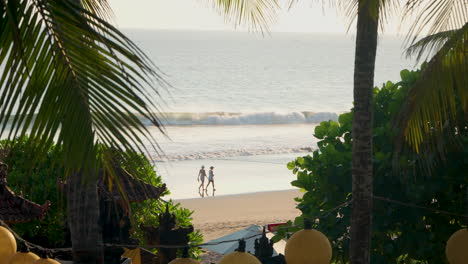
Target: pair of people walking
[(201, 178)]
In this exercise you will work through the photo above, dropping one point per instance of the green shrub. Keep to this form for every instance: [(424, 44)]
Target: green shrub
[(400, 234), (41, 184)]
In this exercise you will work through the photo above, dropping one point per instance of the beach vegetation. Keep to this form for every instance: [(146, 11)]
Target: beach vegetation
[(437, 16), (438, 102), (413, 214), (43, 183), (70, 76)]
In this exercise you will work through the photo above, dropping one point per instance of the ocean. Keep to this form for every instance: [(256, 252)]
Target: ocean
[(247, 104)]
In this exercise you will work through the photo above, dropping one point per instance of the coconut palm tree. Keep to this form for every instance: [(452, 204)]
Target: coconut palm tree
[(362, 180), (445, 76), (70, 76), (366, 45), (369, 13)]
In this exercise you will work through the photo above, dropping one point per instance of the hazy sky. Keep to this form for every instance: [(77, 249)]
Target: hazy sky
[(307, 16)]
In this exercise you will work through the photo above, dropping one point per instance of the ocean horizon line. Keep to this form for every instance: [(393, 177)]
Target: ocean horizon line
[(245, 31)]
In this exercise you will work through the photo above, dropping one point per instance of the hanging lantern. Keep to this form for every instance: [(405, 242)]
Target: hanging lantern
[(7, 244), (23, 256), (308, 246), (240, 256), (46, 261), (184, 259), (45, 258), (456, 249)]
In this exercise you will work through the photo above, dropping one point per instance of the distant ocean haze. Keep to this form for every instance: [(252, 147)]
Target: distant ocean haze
[(237, 72)]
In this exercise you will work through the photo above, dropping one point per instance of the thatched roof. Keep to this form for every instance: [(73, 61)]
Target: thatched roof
[(14, 208), (148, 257), (135, 189)]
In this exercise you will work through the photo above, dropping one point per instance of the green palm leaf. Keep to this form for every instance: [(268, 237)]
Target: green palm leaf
[(434, 16), (70, 76), (429, 45), (431, 107), (256, 14)]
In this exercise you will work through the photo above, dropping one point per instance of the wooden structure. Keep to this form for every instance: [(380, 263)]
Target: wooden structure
[(115, 194), (14, 208), (135, 190), (114, 218), (264, 251), (113, 202)]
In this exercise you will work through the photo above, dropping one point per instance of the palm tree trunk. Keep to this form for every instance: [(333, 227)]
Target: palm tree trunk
[(83, 217), (83, 200), (364, 64), (466, 219)]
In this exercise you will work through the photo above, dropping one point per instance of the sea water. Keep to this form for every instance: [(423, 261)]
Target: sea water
[(247, 104)]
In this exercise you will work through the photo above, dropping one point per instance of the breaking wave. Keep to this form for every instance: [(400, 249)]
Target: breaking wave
[(232, 118), (223, 154), (258, 118)]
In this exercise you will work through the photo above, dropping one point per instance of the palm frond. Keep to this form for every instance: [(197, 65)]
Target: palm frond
[(256, 14), (388, 9), (381, 10), (431, 106), (434, 16), (70, 76), (292, 3), (100, 8), (429, 45)]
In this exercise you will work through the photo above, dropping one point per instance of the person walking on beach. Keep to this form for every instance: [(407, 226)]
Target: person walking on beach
[(201, 177), (210, 180)]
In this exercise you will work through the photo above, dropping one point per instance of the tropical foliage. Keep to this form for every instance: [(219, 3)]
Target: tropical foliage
[(256, 14), (432, 99), (435, 100), (38, 185), (41, 184), (400, 234), (70, 76)]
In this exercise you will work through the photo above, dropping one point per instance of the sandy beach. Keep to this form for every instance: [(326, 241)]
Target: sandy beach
[(219, 216)]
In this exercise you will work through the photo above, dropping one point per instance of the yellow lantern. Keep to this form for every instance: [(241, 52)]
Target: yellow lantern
[(7, 244), (240, 256), (23, 258), (184, 261), (46, 261), (185, 258), (456, 249), (45, 258), (308, 246)]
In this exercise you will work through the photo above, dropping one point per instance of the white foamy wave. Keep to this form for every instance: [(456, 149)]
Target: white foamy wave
[(259, 118), (223, 154)]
